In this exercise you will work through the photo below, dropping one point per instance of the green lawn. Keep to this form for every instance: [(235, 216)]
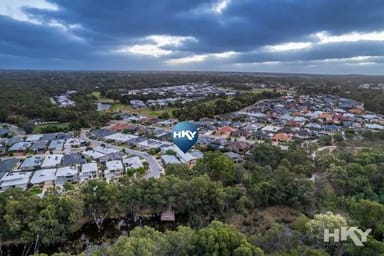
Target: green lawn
[(100, 98), (36, 190), (118, 107)]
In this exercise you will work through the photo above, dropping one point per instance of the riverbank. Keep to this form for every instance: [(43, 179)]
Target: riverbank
[(89, 237)]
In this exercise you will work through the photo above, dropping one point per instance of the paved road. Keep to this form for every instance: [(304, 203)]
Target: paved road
[(155, 168)]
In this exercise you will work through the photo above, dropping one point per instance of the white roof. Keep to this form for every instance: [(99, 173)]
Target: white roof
[(56, 144), (52, 160), (254, 114), (121, 137), (299, 119), (92, 153), (89, 167), (72, 142), (43, 176), (151, 143), (106, 150), (369, 116), (374, 126), (114, 165), (133, 162), (34, 137), (170, 159), (67, 171), (184, 157), (15, 178), (271, 128)]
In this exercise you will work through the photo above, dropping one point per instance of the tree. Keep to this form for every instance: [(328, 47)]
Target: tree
[(100, 200), (164, 115), (179, 170), (217, 166), (266, 154), (328, 220), (223, 239), (21, 208)]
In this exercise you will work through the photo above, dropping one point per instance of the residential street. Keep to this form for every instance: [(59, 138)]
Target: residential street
[(155, 169)]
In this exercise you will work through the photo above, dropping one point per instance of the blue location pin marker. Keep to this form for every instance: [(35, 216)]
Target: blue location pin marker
[(185, 135)]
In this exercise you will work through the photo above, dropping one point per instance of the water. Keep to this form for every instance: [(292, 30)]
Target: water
[(88, 238)]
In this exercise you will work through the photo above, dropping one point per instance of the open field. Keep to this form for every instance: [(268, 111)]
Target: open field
[(100, 98), (118, 107)]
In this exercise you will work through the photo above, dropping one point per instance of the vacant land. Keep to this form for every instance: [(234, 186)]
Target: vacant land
[(122, 108), (41, 128), (100, 98)]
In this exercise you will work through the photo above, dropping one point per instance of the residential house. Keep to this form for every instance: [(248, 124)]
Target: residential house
[(239, 146), (52, 161), (31, 163), (56, 146), (225, 131), (17, 179), (8, 165), (92, 154), (196, 153), (119, 127), (259, 135), (67, 174), (218, 143), (74, 143), (88, 171), (44, 176), (120, 137), (19, 148), (114, 170), (169, 159), (48, 137), (302, 134), (12, 141), (137, 104), (281, 137), (101, 133), (185, 158), (38, 147), (33, 137), (72, 159), (112, 156), (133, 163), (237, 158)]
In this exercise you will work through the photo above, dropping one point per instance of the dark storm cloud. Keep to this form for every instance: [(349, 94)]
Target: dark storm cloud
[(343, 50), (94, 29), (31, 40)]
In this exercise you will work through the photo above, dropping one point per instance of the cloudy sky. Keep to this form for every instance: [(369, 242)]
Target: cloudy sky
[(301, 36)]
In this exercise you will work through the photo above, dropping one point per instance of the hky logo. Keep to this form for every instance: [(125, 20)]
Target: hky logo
[(182, 134), (185, 135), (342, 234)]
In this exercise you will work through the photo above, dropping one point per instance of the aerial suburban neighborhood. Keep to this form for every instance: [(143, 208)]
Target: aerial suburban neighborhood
[(142, 146), (192, 128)]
